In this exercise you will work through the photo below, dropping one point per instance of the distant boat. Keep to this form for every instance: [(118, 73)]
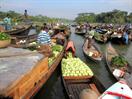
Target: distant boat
[(19, 31), (101, 36), (80, 31)]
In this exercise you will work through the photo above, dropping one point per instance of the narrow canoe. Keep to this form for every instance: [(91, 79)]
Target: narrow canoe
[(92, 49), (79, 33), (110, 53), (99, 37), (73, 88), (28, 39), (117, 38), (46, 76), (74, 85), (21, 31)]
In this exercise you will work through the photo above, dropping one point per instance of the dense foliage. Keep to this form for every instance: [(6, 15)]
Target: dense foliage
[(115, 16), (39, 18), (4, 36)]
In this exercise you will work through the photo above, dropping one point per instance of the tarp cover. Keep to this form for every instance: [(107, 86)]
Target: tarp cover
[(12, 68)]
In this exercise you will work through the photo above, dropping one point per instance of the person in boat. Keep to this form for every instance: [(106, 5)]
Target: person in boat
[(44, 41), (104, 38), (88, 94), (7, 22), (90, 36), (125, 37), (25, 14), (50, 31), (45, 25), (70, 47)]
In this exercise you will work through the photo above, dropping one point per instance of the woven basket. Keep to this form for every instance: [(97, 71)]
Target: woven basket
[(4, 43)]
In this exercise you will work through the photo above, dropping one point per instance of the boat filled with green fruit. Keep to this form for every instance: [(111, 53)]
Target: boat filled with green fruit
[(77, 76)]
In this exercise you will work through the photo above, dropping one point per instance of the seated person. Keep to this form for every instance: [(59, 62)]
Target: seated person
[(70, 47), (44, 41)]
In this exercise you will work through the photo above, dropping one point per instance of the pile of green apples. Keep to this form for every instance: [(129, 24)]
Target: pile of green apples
[(75, 67)]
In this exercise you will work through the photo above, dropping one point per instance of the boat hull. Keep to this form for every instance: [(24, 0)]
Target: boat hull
[(85, 50), (73, 88)]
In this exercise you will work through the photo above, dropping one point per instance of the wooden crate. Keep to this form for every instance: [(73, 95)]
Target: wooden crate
[(20, 87), (77, 77)]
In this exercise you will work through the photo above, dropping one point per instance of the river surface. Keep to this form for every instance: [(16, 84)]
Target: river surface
[(53, 89)]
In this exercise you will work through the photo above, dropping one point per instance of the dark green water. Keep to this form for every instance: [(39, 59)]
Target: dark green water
[(53, 89)]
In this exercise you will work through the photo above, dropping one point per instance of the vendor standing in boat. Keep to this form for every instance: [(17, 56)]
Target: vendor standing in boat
[(44, 41), (25, 14), (7, 23)]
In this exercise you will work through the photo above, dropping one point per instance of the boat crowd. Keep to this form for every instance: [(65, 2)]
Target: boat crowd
[(104, 32), (53, 43)]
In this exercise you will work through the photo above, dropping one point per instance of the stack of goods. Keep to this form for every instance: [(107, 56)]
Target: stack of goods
[(56, 49), (119, 62), (94, 53), (74, 67)]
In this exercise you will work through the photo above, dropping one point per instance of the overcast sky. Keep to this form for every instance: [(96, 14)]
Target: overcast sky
[(64, 8)]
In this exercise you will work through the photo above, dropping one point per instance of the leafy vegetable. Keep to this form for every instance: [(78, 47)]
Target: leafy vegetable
[(4, 36), (119, 61), (69, 55), (57, 48)]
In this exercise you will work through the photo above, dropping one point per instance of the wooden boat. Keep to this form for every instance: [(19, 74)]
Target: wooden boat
[(90, 51), (110, 53), (117, 38), (74, 85), (79, 31), (28, 39), (28, 84), (64, 30), (20, 31), (103, 38)]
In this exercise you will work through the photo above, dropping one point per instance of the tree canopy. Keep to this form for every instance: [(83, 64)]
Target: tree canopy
[(115, 16), (38, 18)]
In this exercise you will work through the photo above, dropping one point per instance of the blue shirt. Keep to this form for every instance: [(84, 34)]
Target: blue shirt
[(43, 38), (126, 37), (7, 20)]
